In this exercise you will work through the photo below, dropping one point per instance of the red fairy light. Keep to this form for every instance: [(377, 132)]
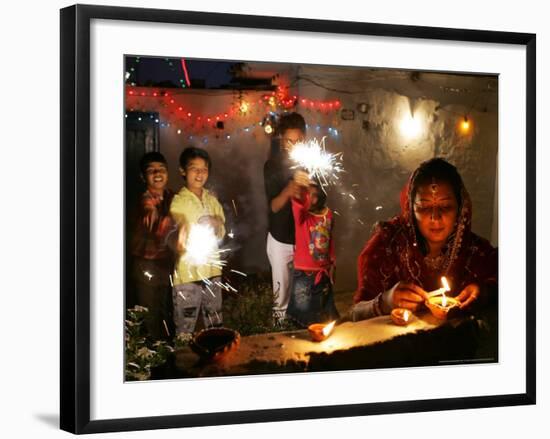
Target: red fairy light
[(189, 114), (131, 92)]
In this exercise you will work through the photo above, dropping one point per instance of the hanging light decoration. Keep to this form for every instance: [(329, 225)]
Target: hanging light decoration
[(465, 125)]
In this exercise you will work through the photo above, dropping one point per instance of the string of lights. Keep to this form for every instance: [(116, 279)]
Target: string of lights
[(253, 128)]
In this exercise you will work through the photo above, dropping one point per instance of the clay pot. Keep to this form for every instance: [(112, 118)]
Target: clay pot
[(398, 316), (316, 331), (439, 311), (214, 344)]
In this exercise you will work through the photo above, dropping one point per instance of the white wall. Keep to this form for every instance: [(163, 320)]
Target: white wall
[(29, 268)]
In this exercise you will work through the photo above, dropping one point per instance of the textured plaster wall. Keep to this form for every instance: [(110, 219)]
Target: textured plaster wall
[(378, 157)]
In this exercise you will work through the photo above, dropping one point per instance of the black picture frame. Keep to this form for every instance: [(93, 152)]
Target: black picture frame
[(75, 217)]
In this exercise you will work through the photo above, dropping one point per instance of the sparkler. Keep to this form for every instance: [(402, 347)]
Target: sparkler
[(202, 247), (313, 157), (166, 328)]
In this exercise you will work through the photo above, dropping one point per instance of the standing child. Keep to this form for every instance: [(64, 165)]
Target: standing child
[(312, 298), (152, 259), (280, 188), (201, 220)]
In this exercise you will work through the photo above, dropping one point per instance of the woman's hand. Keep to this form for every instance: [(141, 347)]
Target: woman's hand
[(408, 295), (468, 295)]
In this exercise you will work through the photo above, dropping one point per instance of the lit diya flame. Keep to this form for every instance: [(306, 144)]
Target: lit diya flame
[(446, 288), (440, 306), (313, 157), (320, 331), (441, 291), (401, 316), (328, 328)]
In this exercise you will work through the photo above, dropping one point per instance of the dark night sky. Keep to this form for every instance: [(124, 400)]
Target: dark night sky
[(157, 70)]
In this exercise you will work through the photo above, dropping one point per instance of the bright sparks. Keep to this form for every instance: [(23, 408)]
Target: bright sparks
[(313, 157), (202, 245)]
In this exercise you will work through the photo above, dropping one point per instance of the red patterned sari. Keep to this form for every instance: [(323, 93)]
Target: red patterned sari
[(394, 253)]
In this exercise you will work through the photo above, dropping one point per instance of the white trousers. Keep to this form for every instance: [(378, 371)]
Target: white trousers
[(280, 257)]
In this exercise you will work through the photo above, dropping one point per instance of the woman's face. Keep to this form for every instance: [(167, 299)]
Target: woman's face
[(435, 209)]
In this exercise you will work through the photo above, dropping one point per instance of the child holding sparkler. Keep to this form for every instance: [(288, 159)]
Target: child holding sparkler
[(312, 298), (152, 259), (200, 218), (280, 187)]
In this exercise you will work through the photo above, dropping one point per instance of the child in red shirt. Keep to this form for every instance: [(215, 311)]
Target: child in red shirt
[(312, 298)]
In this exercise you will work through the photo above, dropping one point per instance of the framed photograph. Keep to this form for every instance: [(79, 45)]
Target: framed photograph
[(273, 218)]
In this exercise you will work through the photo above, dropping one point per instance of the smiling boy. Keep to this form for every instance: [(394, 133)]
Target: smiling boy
[(152, 258), (196, 280)]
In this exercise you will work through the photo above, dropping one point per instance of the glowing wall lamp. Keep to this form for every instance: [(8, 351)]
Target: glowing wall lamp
[(410, 126), (465, 125)]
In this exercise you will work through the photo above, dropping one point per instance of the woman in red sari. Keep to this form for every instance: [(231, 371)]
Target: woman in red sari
[(432, 237)]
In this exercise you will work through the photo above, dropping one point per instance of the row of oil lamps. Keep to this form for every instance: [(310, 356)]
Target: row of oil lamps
[(437, 302)]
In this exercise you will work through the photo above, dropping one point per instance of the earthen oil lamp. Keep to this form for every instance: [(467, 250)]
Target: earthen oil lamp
[(401, 316), (320, 331), (214, 344), (439, 304)]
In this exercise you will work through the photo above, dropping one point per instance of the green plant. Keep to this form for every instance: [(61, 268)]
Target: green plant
[(142, 353), (250, 311)]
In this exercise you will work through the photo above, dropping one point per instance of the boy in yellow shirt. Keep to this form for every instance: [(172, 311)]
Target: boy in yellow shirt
[(200, 220)]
